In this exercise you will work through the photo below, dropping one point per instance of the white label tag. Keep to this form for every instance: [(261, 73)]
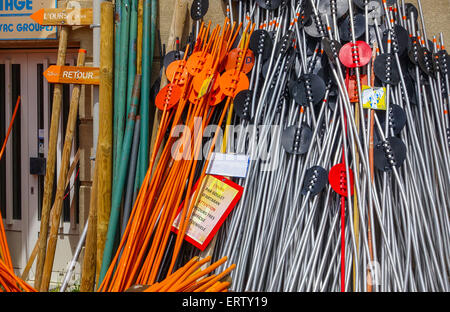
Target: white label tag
[(229, 165)]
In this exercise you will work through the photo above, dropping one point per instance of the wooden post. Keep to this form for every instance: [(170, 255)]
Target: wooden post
[(176, 31), (57, 206), (51, 159), (90, 247), (104, 147)]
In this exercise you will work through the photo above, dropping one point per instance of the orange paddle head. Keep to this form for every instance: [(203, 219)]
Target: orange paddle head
[(176, 72), (198, 62), (235, 58), (168, 96), (232, 82)]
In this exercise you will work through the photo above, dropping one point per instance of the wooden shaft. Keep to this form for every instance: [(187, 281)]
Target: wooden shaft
[(104, 148), (139, 38), (30, 262), (57, 206), (51, 159)]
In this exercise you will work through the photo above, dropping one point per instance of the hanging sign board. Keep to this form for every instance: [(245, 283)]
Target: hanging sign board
[(16, 22), (72, 17), (73, 74), (216, 199)]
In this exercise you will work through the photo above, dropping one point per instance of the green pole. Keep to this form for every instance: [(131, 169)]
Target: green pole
[(148, 42), (121, 94), (117, 30), (132, 51), (119, 182)]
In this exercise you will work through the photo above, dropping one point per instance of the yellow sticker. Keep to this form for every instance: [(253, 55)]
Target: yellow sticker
[(374, 98), (206, 86)]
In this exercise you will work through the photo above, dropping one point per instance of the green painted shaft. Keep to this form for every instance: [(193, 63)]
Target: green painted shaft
[(132, 51), (148, 46), (119, 182), (121, 91)]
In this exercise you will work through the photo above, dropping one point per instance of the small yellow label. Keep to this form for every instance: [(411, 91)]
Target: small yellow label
[(205, 86), (374, 98)]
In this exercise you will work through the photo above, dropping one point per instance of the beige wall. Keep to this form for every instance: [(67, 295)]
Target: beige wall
[(437, 16)]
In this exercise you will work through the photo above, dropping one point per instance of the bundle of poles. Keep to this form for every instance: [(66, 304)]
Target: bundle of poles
[(148, 249), (341, 196)]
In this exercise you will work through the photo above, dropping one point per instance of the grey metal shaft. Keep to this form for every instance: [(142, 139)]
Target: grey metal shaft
[(74, 260)]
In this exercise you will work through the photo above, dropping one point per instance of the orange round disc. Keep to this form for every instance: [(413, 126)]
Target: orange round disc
[(216, 97), (200, 78), (193, 97), (234, 57), (231, 82), (198, 62), (177, 70), (223, 54), (168, 96)]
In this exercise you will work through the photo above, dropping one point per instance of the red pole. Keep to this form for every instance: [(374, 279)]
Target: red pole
[(10, 127)]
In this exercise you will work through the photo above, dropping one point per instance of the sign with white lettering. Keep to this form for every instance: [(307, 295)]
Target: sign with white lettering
[(73, 74), (215, 200), (16, 23), (60, 17)]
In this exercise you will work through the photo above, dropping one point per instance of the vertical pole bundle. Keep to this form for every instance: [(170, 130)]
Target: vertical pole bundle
[(120, 98), (119, 183), (102, 183), (51, 159)]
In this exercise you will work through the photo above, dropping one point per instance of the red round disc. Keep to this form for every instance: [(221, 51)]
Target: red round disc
[(346, 54), (231, 82), (234, 57), (338, 181), (168, 96)]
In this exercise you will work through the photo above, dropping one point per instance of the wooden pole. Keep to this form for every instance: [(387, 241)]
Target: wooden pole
[(139, 37), (176, 31), (90, 247), (51, 159), (105, 148), (57, 206), (119, 183)]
